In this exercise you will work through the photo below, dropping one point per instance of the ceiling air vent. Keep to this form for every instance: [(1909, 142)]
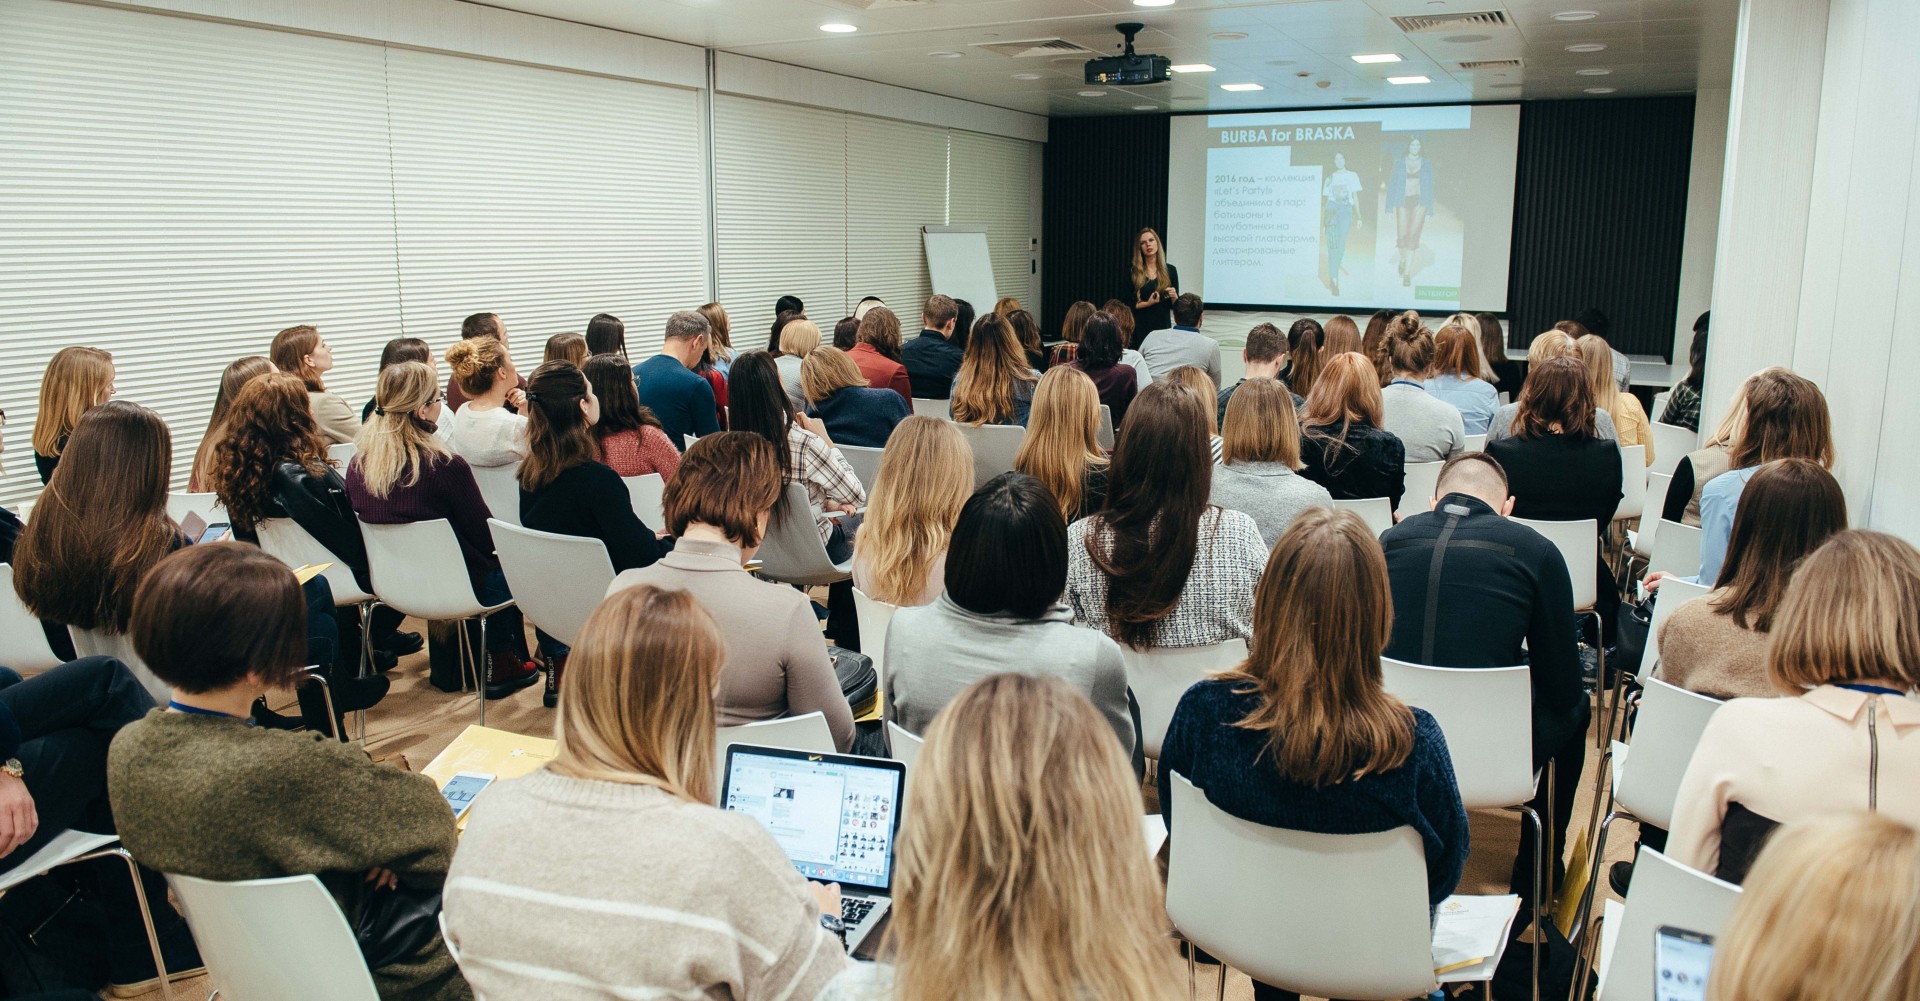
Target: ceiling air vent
[(1492, 64), (867, 5), (1036, 47), (1452, 22)]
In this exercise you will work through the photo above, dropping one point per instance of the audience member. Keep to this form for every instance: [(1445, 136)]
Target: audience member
[(878, 353), (606, 335), (798, 339), (846, 333), (1373, 345), (486, 432), (853, 412), (1629, 418), (1699, 467), (1027, 330), (1259, 472), (1071, 326), (1099, 357), (1718, 645), (1006, 305), (1846, 652), (667, 385), (926, 474), (1303, 357), (238, 373), (76, 380), (370, 831), (569, 348), (1340, 336), (708, 367), (1193, 378), (1264, 355), (1184, 344), (719, 336), (1507, 373), (398, 350), (483, 325), (865, 306), (1303, 734), (717, 509), (301, 351), (994, 384), (1002, 612), (1430, 429), (1062, 447), (781, 318), (1132, 566), (1595, 321), (1345, 446), (1123, 322), (1786, 419), (1683, 402), (1455, 378), (1547, 346), (631, 440), (963, 320)]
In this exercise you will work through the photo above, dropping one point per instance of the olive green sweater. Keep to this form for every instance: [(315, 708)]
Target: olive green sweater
[(214, 798)]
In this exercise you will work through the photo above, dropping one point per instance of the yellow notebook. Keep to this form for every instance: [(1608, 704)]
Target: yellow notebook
[(310, 571)]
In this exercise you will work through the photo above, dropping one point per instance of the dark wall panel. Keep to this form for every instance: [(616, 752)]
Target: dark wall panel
[(1105, 178)]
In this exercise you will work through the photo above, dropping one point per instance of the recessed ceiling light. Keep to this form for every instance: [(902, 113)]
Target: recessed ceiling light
[(1599, 90), (1227, 36), (1467, 39), (1153, 3), (1587, 47), (838, 28), (1240, 88), (1576, 15), (1377, 57), (1146, 107), (1408, 79), (1593, 71), (1191, 68), (1026, 76), (945, 54), (1093, 93)]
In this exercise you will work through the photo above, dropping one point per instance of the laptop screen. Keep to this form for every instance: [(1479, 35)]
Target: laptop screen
[(834, 815)]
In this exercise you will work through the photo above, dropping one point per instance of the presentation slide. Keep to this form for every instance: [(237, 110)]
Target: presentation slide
[(1362, 208)]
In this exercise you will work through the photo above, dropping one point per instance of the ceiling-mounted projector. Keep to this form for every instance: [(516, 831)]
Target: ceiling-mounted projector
[(1128, 69)]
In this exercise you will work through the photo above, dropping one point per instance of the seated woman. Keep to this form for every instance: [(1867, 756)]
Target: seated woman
[(238, 373), (301, 351), (1430, 429), (398, 350), (1700, 466), (717, 509), (569, 348), (1304, 353), (716, 911), (485, 432), (926, 474), (877, 353), (1345, 445), (1787, 417), (1002, 612), (1132, 568), (1547, 346), (1026, 330), (221, 624), (402, 473), (1122, 316), (995, 384), (1195, 378), (630, 439), (1099, 358), (1071, 326), (1630, 423), (1060, 821), (1260, 474), (1718, 645), (1062, 447), (1847, 736), (77, 379), (1303, 735), (853, 412), (1455, 378)]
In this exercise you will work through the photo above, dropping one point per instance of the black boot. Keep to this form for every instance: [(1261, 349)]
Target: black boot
[(556, 666)]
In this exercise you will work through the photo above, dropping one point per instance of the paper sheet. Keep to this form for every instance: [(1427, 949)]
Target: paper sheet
[(1468, 933), (500, 753), (1154, 827)]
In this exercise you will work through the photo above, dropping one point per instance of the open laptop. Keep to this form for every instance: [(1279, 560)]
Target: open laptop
[(835, 815)]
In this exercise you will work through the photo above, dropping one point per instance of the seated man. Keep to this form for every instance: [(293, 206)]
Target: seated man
[(1265, 354), (1472, 589), (932, 359)]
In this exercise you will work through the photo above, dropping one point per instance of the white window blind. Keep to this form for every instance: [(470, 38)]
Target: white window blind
[(992, 180), (896, 183)]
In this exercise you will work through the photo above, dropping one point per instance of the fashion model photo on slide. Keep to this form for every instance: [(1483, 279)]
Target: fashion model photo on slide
[(1410, 200), (1340, 205)]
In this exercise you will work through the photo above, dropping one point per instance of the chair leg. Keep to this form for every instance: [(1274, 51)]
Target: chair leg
[(366, 662), (480, 675), (1542, 908), (316, 676), (1588, 943), (1190, 970), (1600, 657), (1220, 986), (146, 916)]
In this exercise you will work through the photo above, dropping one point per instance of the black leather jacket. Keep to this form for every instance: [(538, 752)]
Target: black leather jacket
[(318, 504)]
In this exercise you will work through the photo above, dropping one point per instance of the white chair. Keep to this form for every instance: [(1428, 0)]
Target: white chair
[(342, 454), (1377, 512), (272, 939), (1330, 915), (1673, 594), (1665, 893), (1656, 501), (1676, 549), (1103, 435), (69, 847), (931, 408), (688, 440), (865, 462), (557, 580), (648, 493), (792, 552), (1505, 398), (417, 569), (286, 541), (1422, 479), (1670, 445), (207, 506), (1633, 482), (904, 745), (799, 733), (994, 448), (1158, 678), (500, 488), (1659, 404), (23, 642), (1579, 545), (94, 643), (1475, 443), (874, 617)]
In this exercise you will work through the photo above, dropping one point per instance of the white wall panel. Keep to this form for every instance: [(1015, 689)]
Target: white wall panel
[(991, 181), (896, 183)]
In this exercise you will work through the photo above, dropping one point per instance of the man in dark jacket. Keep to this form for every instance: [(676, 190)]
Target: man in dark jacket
[(1473, 589), (932, 359)]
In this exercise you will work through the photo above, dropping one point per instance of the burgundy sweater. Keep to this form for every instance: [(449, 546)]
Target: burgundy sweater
[(445, 489)]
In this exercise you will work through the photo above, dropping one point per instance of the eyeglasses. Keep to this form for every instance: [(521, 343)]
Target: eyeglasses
[(435, 398)]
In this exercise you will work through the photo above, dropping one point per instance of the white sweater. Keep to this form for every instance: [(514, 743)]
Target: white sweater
[(488, 438)]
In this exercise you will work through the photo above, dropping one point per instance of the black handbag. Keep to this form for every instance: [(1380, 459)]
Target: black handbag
[(858, 680), (1630, 636), (396, 924)]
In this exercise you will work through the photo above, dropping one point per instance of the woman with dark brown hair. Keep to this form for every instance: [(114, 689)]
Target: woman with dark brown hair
[(1159, 566), (1374, 344), (1430, 428), (1123, 322), (878, 354), (301, 351), (1099, 357), (1304, 340), (606, 335), (1343, 445), (238, 373), (1507, 374), (1027, 329), (632, 440)]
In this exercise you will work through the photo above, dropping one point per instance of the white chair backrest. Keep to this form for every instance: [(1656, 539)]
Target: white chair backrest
[(207, 506), (799, 733), (865, 462), (1676, 549), (1475, 443), (1422, 478), (1579, 545), (1331, 915), (1665, 732), (904, 745), (1103, 435), (557, 580), (500, 487), (1656, 501), (1159, 677), (272, 939), (994, 446), (1505, 398), (417, 568), (1486, 714), (1633, 482), (92, 643), (285, 540), (1664, 892), (931, 408), (648, 494), (1377, 512), (1659, 403), (792, 551), (874, 617), (1670, 445), (342, 454), (23, 643), (1673, 594)]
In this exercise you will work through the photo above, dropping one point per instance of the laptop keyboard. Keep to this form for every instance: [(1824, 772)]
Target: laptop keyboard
[(854, 910)]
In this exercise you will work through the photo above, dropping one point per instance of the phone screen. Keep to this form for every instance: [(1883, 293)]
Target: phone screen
[(1682, 959), (216, 532), (461, 789)]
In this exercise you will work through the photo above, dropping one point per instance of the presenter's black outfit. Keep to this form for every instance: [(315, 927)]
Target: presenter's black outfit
[(1158, 316)]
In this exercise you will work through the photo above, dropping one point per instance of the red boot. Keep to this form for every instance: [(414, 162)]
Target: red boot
[(507, 673)]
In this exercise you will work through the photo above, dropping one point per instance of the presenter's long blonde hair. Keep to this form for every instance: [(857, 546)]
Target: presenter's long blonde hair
[(393, 443), (1063, 436), (1830, 910), (1163, 278), (639, 694), (1021, 874), (925, 477)]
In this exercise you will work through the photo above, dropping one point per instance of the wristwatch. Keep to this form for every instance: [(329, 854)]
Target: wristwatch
[(13, 767), (832, 923)]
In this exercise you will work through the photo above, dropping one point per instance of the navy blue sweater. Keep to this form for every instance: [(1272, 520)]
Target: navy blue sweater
[(861, 415), (932, 361), (682, 399), (1230, 765)]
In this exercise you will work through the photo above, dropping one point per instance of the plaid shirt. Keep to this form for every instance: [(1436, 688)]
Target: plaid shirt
[(1683, 408), (1217, 604), (825, 473)]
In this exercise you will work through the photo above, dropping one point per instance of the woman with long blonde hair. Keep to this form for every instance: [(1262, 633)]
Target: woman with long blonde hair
[(1832, 910), (1062, 447), (1629, 418), (1020, 869), (719, 336), (995, 384), (76, 380), (238, 373), (1344, 445), (721, 909), (926, 474), (1152, 284), (1303, 734)]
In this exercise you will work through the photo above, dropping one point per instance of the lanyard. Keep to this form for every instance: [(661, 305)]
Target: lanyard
[(179, 706), (1872, 689), (1403, 382)]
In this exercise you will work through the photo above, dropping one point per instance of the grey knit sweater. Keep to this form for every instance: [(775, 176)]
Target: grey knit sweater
[(1271, 493)]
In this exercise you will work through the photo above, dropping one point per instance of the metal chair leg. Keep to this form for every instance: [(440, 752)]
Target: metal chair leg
[(1588, 943), (1600, 657), (1220, 987), (326, 696), (1190, 970), (146, 916), (1541, 906), (480, 676)]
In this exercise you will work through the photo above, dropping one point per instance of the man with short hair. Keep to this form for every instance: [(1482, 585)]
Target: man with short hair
[(1265, 352), (1474, 589), (1184, 344), (932, 359), (671, 389), (482, 325)]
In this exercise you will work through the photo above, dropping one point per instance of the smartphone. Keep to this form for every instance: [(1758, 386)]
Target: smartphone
[(462, 788), (216, 532), (1681, 961), (197, 529)]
